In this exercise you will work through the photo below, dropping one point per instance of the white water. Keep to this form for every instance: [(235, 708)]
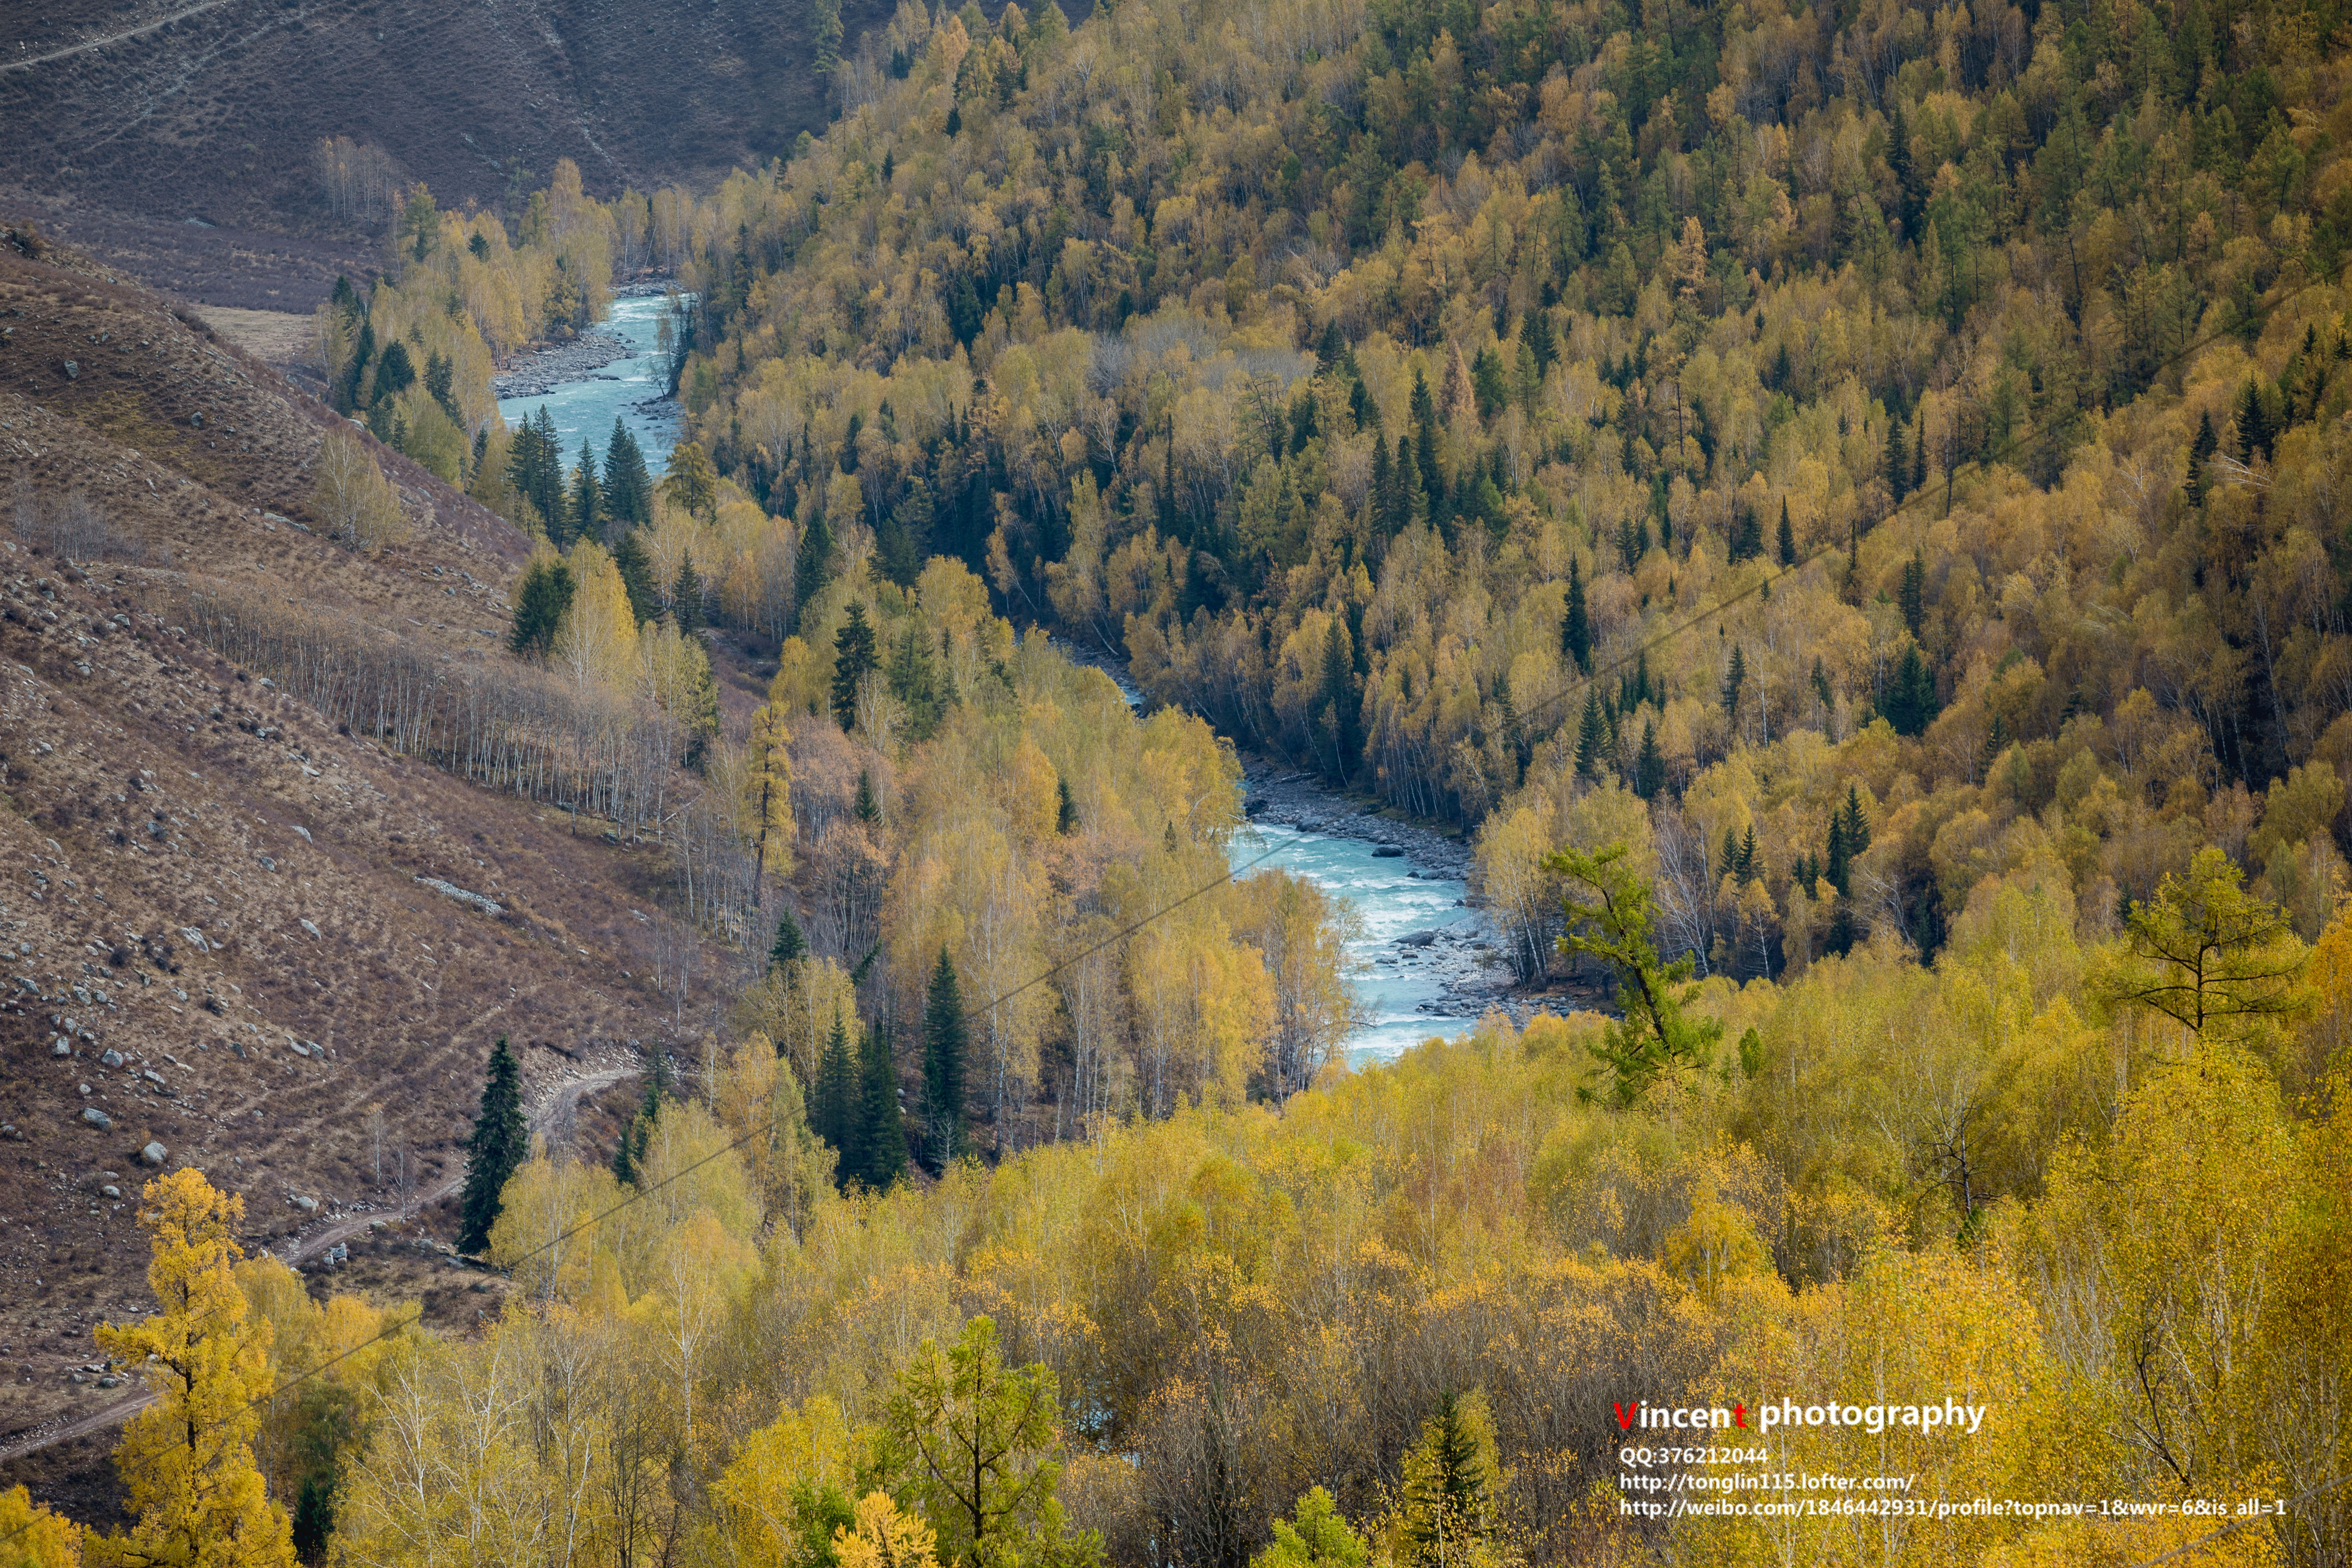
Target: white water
[(1399, 993), (633, 390)]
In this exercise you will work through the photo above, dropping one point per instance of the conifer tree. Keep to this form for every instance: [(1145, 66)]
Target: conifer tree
[(1589, 737), (191, 1488), (587, 502), (1913, 595), (1787, 536), (1450, 1477), (1650, 770), (636, 570), (628, 483), (1734, 679), (882, 1137), (629, 1153), (1066, 810), (540, 599), (685, 596), (501, 1143), (945, 1042), (853, 658), (789, 946), (1911, 696), (1576, 624), (836, 1113), (2201, 452), (813, 568), (1897, 464)]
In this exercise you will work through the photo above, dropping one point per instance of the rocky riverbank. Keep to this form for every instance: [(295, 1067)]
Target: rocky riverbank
[(538, 370)]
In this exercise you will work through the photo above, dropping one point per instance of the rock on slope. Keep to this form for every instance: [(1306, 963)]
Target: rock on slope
[(219, 925)]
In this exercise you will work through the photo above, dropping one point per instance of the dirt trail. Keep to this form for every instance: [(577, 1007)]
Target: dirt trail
[(558, 1108), (87, 44)]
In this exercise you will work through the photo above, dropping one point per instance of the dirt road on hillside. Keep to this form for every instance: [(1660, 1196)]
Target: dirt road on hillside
[(555, 1111)]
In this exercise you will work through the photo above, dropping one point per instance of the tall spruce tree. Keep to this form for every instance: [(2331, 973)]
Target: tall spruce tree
[(835, 1114), (587, 502), (685, 596), (1576, 624), (636, 570), (882, 1135), (945, 1042), (540, 599), (501, 1143), (1650, 770), (853, 658), (1787, 536), (628, 483)]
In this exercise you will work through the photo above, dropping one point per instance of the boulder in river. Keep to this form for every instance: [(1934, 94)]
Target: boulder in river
[(1417, 938), (1387, 852)]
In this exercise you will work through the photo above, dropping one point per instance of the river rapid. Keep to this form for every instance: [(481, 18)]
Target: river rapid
[(1422, 961), (615, 370)]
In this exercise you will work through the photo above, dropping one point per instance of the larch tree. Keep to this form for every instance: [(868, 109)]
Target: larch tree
[(978, 1444), (191, 1486)]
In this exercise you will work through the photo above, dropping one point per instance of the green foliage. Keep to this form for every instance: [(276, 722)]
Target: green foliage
[(978, 1446), (853, 660), (1618, 926), (1316, 1535), (2208, 954), (495, 1149), (540, 599), (946, 1044)]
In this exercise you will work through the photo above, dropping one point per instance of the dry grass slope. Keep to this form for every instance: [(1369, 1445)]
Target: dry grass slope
[(210, 899)]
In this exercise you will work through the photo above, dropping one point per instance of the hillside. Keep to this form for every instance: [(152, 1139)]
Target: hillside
[(179, 142), (221, 914)]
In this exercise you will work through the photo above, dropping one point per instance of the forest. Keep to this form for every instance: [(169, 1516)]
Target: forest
[(1839, 506)]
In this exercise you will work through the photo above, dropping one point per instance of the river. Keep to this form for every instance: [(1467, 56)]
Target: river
[(1420, 962), (633, 388)]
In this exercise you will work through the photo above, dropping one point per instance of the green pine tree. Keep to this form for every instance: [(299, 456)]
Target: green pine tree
[(835, 1116), (946, 1042), (1913, 595), (1576, 624), (540, 599), (789, 945), (882, 1136), (1065, 810), (1650, 770), (1787, 536), (499, 1145), (636, 570), (1588, 740), (686, 597), (1450, 1479), (853, 658), (812, 567), (587, 503), (628, 483)]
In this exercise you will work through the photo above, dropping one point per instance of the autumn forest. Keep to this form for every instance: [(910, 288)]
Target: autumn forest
[(1846, 512)]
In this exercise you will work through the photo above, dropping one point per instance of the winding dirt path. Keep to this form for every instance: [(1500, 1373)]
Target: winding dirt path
[(557, 1109)]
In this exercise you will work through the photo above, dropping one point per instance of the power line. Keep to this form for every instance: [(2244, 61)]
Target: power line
[(970, 1014), (2046, 437)]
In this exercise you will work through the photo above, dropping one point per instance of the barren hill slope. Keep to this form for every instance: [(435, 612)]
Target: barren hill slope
[(129, 120), (228, 926)]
